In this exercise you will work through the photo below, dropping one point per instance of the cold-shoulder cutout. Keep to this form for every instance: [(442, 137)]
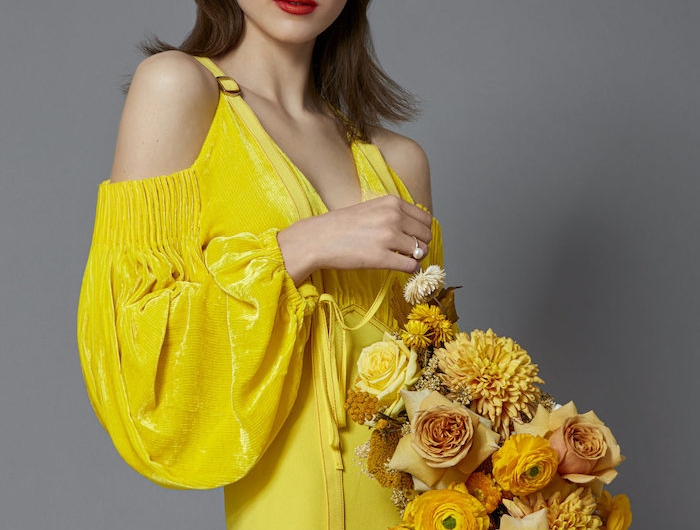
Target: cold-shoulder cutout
[(167, 115), (408, 160)]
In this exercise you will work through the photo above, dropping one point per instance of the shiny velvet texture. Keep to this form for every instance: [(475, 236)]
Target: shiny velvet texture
[(204, 362)]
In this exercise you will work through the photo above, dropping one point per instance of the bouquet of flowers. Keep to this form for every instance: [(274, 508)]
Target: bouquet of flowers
[(464, 437)]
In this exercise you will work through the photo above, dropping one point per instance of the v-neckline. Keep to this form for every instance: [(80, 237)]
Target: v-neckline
[(367, 158), (304, 180), (277, 156)]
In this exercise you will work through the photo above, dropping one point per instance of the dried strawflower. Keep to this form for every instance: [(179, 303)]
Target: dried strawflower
[(424, 284)]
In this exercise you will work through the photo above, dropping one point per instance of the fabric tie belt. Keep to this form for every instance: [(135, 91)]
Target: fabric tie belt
[(330, 372)]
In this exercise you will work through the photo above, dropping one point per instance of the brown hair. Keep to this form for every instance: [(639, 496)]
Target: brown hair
[(345, 70)]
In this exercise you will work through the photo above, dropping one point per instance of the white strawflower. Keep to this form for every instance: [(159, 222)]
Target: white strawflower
[(421, 286)]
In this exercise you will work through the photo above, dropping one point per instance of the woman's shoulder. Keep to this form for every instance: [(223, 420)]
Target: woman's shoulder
[(173, 68), (408, 160), (171, 101)]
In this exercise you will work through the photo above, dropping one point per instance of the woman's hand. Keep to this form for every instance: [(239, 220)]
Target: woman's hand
[(378, 234)]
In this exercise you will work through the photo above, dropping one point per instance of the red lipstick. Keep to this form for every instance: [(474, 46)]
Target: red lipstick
[(296, 7)]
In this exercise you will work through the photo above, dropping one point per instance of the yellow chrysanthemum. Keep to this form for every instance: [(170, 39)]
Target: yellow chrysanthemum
[(525, 464), (440, 329), (443, 332), (448, 509), (430, 314), (483, 487), (575, 511), (500, 375), (572, 511), (416, 335)]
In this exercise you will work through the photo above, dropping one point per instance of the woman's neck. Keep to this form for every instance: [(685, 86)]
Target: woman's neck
[(279, 73)]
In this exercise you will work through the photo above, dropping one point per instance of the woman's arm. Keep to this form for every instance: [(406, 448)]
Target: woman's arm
[(191, 355), (377, 234), (166, 117)]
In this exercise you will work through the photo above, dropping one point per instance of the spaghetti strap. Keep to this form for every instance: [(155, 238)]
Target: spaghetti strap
[(382, 170), (211, 66), (226, 84)]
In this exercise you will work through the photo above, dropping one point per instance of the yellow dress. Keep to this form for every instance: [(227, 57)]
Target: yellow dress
[(205, 363)]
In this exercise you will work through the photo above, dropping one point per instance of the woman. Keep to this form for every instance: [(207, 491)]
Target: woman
[(251, 240)]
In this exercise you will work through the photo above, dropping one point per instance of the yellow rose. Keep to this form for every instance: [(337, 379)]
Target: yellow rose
[(525, 464), (384, 369), (448, 509), (587, 449)]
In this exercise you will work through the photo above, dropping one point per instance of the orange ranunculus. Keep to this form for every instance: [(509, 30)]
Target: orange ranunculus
[(587, 449), (616, 511), (620, 517), (485, 489), (525, 464), (447, 509)]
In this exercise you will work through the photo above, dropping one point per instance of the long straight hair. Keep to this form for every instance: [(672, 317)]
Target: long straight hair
[(345, 71)]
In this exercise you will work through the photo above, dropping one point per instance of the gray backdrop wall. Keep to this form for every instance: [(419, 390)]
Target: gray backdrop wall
[(563, 140)]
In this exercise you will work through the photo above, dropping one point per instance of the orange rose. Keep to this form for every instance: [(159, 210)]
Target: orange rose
[(442, 435), (446, 444), (587, 449), (525, 464)]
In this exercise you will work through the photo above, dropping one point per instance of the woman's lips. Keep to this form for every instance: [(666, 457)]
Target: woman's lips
[(302, 7)]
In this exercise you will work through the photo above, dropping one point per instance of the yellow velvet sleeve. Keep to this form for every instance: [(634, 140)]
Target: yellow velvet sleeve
[(191, 356)]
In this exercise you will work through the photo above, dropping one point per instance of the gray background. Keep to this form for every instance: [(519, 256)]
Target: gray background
[(563, 140)]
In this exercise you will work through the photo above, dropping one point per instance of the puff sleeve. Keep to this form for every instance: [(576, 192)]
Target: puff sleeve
[(191, 353)]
